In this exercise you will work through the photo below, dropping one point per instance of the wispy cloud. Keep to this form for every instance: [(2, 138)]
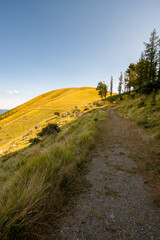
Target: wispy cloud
[(12, 92)]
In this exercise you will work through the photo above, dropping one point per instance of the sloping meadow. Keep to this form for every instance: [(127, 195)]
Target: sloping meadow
[(37, 182)]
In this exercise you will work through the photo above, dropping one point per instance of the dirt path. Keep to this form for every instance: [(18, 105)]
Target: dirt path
[(118, 205)]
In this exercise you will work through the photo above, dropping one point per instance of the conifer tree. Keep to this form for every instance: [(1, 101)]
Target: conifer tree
[(102, 89), (105, 88), (111, 86), (120, 84), (151, 54)]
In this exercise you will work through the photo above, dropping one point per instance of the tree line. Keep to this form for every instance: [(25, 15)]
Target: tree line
[(143, 76)]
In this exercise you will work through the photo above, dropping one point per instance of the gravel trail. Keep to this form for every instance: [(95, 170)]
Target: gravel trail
[(118, 205)]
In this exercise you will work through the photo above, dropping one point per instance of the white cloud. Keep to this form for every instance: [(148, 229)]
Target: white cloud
[(11, 91)]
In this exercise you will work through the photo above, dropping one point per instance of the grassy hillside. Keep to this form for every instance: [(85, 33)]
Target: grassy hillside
[(38, 181), (21, 123), (142, 109)]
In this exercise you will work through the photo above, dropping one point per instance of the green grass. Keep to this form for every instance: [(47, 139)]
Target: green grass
[(37, 182), (144, 110)]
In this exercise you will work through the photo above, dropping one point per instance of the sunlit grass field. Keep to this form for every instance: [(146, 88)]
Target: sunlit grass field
[(19, 121), (38, 181)]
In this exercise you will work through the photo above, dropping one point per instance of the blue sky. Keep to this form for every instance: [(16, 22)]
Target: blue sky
[(51, 44)]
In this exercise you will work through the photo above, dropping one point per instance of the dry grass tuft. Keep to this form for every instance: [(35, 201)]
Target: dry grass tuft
[(38, 182)]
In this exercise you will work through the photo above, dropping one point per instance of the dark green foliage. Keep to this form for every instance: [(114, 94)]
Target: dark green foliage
[(50, 129), (144, 77), (34, 140), (95, 119), (130, 77), (57, 113), (115, 98), (102, 89)]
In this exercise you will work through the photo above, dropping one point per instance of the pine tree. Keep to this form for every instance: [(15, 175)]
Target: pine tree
[(102, 89), (120, 84), (105, 89), (151, 54), (142, 74), (111, 86)]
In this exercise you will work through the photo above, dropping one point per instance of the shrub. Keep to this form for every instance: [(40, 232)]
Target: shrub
[(50, 129), (57, 113), (34, 140)]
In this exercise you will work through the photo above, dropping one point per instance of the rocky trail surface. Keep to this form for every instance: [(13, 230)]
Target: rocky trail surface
[(118, 205)]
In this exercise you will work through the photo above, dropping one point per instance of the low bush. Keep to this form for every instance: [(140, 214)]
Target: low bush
[(57, 113), (50, 129), (34, 140)]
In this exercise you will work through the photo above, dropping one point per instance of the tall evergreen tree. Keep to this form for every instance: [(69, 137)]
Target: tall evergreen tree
[(111, 86), (144, 76), (151, 54), (120, 84), (142, 73)]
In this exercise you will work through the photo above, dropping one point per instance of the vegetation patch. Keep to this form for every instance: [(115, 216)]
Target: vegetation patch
[(39, 181), (50, 129), (34, 140), (143, 111)]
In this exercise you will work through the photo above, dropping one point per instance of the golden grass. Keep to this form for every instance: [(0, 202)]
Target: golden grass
[(38, 182), (20, 122)]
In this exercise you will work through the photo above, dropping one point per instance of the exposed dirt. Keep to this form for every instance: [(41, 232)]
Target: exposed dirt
[(119, 204)]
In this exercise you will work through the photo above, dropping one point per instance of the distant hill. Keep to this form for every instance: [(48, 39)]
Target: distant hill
[(22, 121), (3, 111)]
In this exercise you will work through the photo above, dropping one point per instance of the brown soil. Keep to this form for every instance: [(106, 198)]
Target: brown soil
[(118, 205)]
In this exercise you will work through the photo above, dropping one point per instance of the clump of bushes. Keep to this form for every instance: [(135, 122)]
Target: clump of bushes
[(50, 129), (114, 98), (34, 140)]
